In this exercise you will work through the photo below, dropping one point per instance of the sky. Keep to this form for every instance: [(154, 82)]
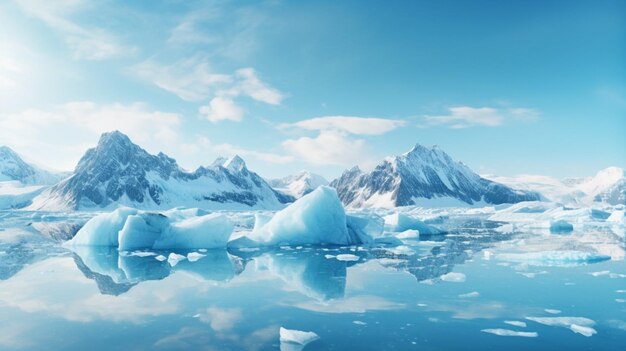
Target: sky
[(507, 87)]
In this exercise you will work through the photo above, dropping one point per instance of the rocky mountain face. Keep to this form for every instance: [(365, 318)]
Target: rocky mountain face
[(14, 168), (118, 172), (425, 177)]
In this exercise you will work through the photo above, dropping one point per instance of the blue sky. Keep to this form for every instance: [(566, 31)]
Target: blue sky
[(528, 87)]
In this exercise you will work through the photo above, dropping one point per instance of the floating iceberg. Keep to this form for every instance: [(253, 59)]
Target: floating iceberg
[(295, 339), (580, 325), (316, 218), (399, 222), (131, 229), (507, 332)]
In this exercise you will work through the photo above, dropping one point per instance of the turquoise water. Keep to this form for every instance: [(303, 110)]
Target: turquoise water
[(431, 294)]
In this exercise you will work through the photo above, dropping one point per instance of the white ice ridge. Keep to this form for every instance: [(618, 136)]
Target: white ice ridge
[(553, 258), (293, 340)]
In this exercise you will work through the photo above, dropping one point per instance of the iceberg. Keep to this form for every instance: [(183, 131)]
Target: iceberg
[(295, 339), (399, 222), (580, 325), (507, 332), (130, 229), (314, 219)]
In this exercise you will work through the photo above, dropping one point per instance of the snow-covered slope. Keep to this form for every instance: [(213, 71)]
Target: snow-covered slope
[(608, 186), (118, 172), (298, 185), (14, 168), (424, 177)]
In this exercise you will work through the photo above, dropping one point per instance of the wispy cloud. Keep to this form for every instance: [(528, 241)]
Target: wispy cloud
[(328, 148), (348, 124), (86, 42), (467, 116)]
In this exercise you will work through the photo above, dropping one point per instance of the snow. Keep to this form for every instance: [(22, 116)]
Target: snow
[(298, 185), (297, 337), (347, 257), (453, 277), (507, 332), (553, 258), (400, 222), (131, 229), (316, 218)]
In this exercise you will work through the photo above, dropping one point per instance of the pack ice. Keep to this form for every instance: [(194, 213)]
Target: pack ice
[(314, 219), (132, 229)]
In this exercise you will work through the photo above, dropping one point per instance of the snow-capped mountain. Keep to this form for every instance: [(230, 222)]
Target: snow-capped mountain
[(607, 186), (298, 185), (14, 168), (20, 181), (118, 172), (423, 177)]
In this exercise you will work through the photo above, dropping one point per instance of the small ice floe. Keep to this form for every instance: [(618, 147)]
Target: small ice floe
[(601, 273), (359, 322), (329, 256), (142, 253), (453, 277), (552, 311), (408, 234), (516, 323), (580, 325), (174, 258), (422, 305), (347, 257), (160, 258), (292, 340), (554, 258), (401, 250), (507, 332), (202, 250), (194, 256), (470, 294)]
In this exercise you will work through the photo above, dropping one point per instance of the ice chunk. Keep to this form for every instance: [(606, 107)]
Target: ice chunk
[(470, 294), (347, 257), (142, 230), (316, 218), (560, 227), (194, 256), (174, 258), (209, 232), (579, 325), (103, 229), (399, 222), (408, 234), (553, 258), (586, 331), (453, 277), (507, 332), (295, 339), (552, 311), (161, 258), (260, 220), (618, 217), (142, 253)]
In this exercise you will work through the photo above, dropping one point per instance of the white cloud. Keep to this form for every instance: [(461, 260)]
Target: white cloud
[(253, 87), (222, 108), (231, 150), (355, 304), (191, 79), (349, 124), (89, 43), (328, 148), (467, 116), (221, 319)]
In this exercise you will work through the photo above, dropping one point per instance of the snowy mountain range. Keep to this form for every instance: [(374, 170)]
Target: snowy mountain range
[(607, 186), (118, 172), (424, 177), (298, 185)]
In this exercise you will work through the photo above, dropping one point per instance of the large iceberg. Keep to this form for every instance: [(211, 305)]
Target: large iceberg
[(131, 229), (316, 218)]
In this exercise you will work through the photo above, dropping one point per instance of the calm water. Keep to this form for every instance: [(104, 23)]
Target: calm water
[(401, 298)]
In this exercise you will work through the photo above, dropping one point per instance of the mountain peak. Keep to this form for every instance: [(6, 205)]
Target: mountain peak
[(114, 137), (235, 163)]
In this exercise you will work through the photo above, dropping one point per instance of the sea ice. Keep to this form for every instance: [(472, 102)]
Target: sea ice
[(507, 332), (347, 257), (316, 218), (174, 258), (408, 234), (399, 222), (102, 230), (516, 323), (470, 294), (586, 331), (194, 256), (553, 258), (296, 336), (579, 325)]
